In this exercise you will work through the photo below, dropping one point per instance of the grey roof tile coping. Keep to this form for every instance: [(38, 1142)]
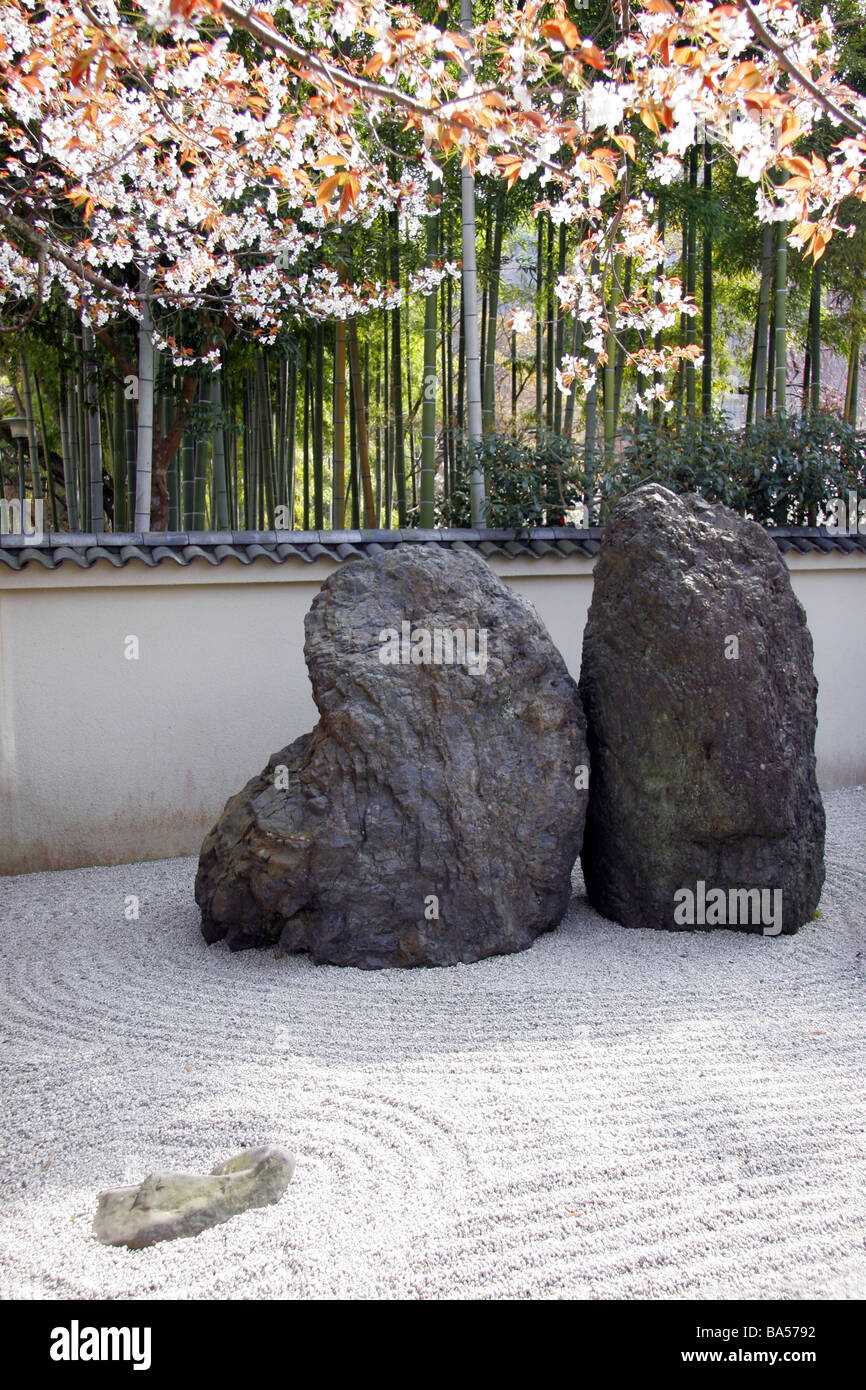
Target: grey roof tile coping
[(153, 548)]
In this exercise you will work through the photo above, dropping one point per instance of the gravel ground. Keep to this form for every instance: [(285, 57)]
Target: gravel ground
[(612, 1114)]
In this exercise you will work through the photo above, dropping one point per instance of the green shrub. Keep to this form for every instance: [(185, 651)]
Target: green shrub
[(783, 471), (530, 480)]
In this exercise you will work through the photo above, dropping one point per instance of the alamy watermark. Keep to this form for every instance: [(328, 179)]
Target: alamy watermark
[(434, 646), (732, 907), (847, 518), (27, 520), (77, 1343)]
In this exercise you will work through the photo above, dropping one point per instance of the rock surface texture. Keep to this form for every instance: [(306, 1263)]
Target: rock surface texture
[(168, 1205), (700, 700), (432, 815)]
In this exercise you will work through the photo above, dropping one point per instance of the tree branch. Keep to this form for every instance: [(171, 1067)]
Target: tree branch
[(81, 272), (763, 35)]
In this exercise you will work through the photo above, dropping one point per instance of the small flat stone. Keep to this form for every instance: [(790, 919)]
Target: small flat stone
[(168, 1205)]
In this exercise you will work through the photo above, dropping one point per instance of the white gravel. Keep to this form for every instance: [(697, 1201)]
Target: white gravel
[(612, 1114)]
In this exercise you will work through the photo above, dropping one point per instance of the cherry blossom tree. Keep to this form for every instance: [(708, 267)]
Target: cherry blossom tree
[(206, 149)]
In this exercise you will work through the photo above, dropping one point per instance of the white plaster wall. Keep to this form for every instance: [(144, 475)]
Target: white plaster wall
[(833, 593), (104, 760)]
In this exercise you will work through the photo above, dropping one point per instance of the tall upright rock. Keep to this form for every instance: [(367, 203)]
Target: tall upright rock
[(432, 815), (700, 700)]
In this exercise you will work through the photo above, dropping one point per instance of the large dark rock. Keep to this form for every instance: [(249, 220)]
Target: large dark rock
[(702, 760), (424, 787)]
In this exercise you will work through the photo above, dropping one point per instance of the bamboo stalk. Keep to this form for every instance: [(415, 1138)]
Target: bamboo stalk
[(610, 363), (781, 317), (470, 315), (27, 392), (550, 400), (69, 488), (815, 310), (220, 480), (428, 418), (691, 277), (707, 295), (292, 440), (318, 430), (144, 434), (488, 411), (560, 334), (397, 374), (360, 426), (306, 456), (762, 356), (339, 451), (539, 326), (94, 436)]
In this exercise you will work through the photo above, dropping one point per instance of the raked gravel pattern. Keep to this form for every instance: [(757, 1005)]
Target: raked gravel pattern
[(611, 1114)]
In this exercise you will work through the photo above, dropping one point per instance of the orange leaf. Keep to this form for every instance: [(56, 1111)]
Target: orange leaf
[(791, 128), (263, 18), (350, 188), (737, 75), (591, 54), (329, 186), (650, 120), (80, 63), (561, 31), (606, 174), (627, 143)]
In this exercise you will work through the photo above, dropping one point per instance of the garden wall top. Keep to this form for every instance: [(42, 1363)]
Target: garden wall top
[(182, 547)]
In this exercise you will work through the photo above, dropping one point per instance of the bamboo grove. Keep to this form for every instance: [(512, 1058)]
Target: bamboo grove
[(363, 419)]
